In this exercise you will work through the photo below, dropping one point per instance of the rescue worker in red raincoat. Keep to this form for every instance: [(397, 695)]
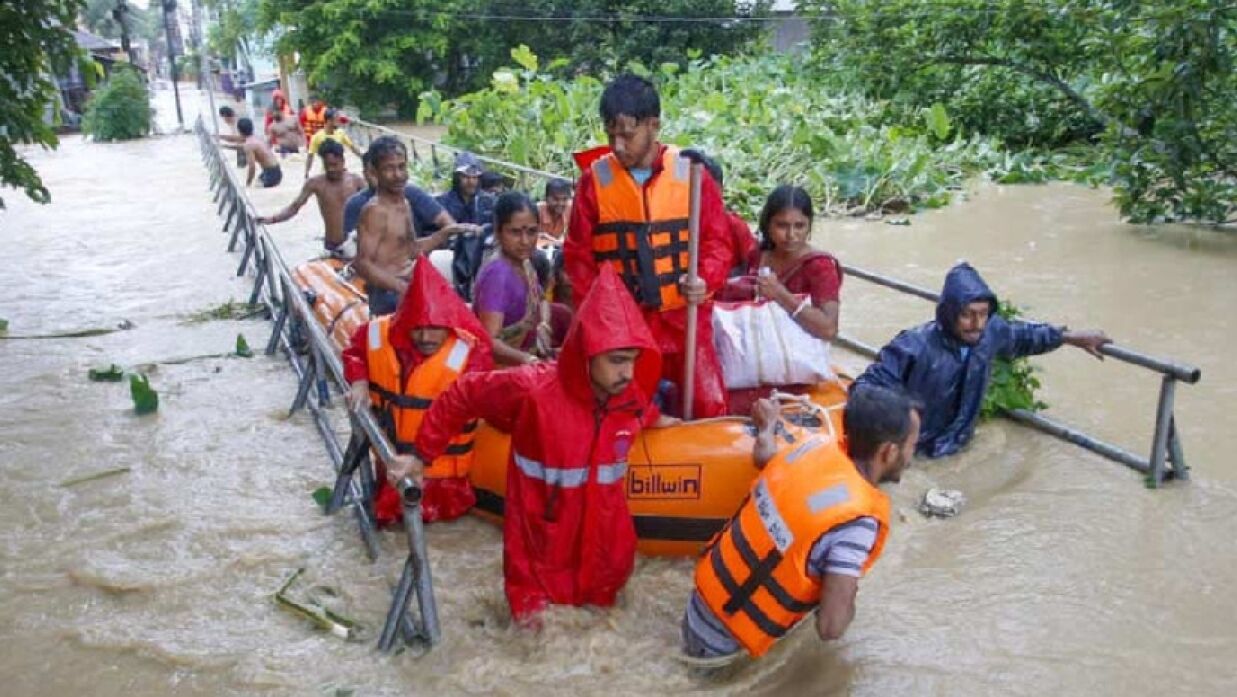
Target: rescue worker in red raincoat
[(568, 536), (400, 364), (630, 213)]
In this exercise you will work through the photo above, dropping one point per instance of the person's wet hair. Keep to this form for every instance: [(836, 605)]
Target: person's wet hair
[(557, 187), (710, 164), (331, 113), (244, 126), (629, 95), (874, 416), (489, 180), (783, 198), (226, 111), (508, 204), (330, 147), (384, 146)]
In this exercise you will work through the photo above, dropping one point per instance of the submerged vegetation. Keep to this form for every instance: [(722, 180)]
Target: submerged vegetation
[(120, 109), (767, 120)]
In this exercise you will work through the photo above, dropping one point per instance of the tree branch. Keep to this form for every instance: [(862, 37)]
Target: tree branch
[(1040, 75)]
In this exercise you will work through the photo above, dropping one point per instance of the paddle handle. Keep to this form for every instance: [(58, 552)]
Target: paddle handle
[(693, 264)]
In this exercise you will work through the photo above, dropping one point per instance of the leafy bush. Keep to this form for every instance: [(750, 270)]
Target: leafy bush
[(769, 120), (1151, 84), (1013, 383), (120, 109)]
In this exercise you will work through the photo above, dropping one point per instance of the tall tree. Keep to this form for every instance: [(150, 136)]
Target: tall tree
[(1155, 82), (376, 53), (37, 45)]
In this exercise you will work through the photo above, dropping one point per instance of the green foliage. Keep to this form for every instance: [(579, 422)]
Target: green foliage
[(1012, 383), (120, 109), (98, 17), (145, 398), (242, 347), (232, 309), (1154, 83), (35, 45), (236, 30), (110, 373), (322, 496), (380, 53), (846, 150)]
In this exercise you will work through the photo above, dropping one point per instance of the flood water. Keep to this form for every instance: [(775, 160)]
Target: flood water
[(1063, 575)]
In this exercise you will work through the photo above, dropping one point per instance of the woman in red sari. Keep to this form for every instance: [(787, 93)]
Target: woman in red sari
[(786, 269), (805, 282)]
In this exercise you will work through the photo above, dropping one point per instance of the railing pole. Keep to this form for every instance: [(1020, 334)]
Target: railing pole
[(1163, 425)]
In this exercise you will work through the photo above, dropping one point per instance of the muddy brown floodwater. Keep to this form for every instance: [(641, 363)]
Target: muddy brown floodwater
[(1062, 576)]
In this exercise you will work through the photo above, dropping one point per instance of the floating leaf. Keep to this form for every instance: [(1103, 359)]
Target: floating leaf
[(145, 398), (242, 347), (112, 373), (322, 495)]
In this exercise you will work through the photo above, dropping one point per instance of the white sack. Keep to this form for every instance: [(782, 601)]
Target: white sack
[(758, 343)]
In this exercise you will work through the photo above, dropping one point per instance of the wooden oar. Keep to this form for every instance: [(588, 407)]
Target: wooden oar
[(693, 262)]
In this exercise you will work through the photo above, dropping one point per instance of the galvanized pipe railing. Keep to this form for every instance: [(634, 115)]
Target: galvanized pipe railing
[(275, 287), (1165, 443), (363, 132)]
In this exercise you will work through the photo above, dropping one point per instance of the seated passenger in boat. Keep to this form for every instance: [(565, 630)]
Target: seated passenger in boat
[(554, 212), (742, 241), (815, 522), (568, 535), (787, 271), (946, 363), (508, 295), (398, 365), (492, 183)]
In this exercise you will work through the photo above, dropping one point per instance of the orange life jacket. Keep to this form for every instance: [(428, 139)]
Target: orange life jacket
[(754, 575), (642, 231), (314, 120), (402, 407)]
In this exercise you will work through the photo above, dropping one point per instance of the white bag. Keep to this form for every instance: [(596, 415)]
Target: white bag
[(759, 344)]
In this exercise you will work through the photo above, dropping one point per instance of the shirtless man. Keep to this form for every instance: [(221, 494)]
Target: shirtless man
[(285, 134), (256, 152), (386, 237), (228, 116), (332, 189)]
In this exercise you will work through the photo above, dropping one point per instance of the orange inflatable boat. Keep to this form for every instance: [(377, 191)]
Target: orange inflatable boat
[(683, 482)]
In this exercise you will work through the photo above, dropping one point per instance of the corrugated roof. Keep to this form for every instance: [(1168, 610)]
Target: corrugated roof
[(92, 42)]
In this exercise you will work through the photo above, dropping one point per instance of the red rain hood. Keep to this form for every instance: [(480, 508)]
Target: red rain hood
[(606, 320), (278, 99), (431, 302)]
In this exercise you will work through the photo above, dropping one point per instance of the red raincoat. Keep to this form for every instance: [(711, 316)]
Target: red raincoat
[(278, 103), (568, 536), (669, 327), (429, 302)]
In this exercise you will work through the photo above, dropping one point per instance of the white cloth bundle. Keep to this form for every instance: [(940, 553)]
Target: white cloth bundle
[(759, 343)]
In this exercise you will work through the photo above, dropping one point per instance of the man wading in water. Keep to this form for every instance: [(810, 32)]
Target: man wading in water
[(386, 237), (332, 189), (256, 151)]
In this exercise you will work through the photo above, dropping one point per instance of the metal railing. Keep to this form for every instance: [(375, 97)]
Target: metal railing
[(297, 332), (363, 133), (1166, 461)]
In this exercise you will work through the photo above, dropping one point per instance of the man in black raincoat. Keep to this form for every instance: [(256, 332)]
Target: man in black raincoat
[(945, 364)]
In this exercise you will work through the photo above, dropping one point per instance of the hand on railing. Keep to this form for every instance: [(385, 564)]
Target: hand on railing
[(1089, 341)]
